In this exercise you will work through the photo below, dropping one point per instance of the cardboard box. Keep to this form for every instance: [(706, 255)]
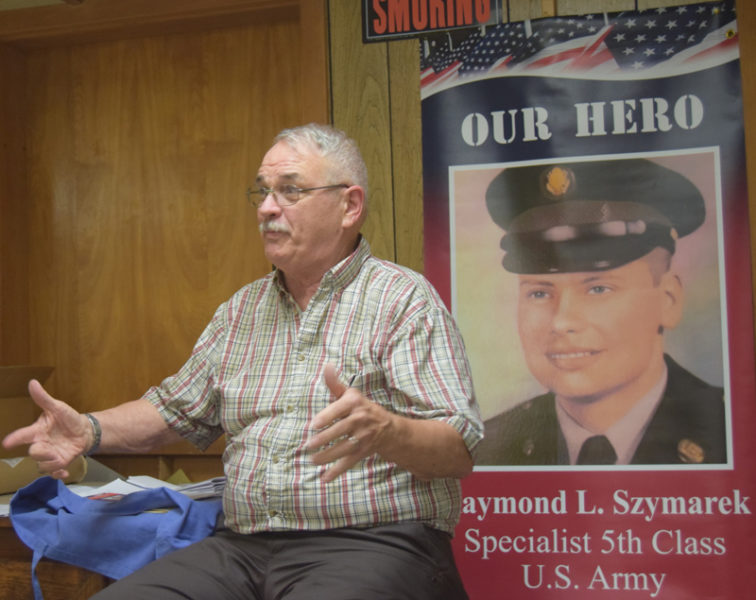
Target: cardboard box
[(17, 409)]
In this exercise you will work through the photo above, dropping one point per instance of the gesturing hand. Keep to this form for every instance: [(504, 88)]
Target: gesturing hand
[(349, 429), (56, 438)]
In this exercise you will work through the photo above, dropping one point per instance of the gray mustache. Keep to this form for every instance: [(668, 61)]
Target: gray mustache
[(273, 226)]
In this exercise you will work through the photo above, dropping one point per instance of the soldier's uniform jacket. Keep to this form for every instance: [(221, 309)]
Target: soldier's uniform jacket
[(688, 427)]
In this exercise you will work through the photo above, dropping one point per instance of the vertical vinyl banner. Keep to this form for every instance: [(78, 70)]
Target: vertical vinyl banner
[(586, 219)]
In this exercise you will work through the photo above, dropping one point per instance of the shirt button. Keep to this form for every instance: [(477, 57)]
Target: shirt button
[(300, 357), (272, 514)]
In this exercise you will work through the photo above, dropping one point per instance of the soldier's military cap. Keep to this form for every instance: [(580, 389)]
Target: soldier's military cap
[(590, 216)]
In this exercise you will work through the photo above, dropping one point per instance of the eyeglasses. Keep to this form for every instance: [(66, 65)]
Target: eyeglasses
[(284, 195)]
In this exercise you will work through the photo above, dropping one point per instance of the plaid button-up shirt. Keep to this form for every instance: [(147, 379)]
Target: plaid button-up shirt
[(256, 375)]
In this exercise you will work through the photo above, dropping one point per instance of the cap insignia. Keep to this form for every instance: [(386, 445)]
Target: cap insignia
[(558, 181)]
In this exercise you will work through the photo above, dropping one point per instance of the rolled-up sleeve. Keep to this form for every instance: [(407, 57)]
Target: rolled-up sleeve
[(189, 400), (430, 375)]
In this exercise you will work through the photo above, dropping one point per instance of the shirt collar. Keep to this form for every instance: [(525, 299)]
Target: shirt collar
[(625, 435), (338, 276)]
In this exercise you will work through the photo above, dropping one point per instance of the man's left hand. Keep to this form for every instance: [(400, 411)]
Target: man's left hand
[(349, 429)]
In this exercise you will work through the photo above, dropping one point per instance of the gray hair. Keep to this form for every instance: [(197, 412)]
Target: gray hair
[(334, 145)]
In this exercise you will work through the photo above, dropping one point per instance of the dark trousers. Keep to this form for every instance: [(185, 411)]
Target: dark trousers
[(394, 562)]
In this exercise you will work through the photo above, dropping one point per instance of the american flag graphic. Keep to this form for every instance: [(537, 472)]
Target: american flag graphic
[(625, 45)]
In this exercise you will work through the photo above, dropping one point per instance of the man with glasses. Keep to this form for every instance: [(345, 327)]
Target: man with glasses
[(341, 384)]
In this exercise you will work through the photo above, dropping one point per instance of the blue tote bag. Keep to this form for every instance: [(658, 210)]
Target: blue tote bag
[(114, 537)]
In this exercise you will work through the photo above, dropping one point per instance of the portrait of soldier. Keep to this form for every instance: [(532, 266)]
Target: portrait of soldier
[(592, 245)]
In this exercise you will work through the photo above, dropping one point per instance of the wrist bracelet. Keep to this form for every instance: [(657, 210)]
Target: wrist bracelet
[(96, 434)]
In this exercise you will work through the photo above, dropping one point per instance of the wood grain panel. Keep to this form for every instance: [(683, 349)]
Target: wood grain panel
[(57, 580), (534, 9), (747, 42), (361, 107), (548, 8), (407, 152), (645, 4), (99, 20), (519, 10), (314, 68), (582, 7), (14, 267), (196, 468), (140, 152)]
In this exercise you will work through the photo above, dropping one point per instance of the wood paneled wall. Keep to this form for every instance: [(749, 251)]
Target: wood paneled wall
[(139, 153), (14, 225), (123, 213), (375, 96), (747, 42)]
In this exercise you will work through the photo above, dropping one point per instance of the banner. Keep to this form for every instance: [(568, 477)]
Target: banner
[(586, 219), (395, 19)]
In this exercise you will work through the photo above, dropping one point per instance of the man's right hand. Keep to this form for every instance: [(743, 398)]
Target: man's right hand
[(56, 438)]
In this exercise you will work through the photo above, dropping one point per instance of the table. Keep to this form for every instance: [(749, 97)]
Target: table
[(58, 580)]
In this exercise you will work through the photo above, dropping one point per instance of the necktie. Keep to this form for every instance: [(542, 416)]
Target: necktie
[(597, 450)]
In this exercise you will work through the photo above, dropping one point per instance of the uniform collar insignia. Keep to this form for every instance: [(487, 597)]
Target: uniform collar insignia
[(690, 452)]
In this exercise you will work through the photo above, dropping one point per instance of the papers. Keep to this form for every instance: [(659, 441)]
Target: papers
[(5, 505), (210, 488)]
